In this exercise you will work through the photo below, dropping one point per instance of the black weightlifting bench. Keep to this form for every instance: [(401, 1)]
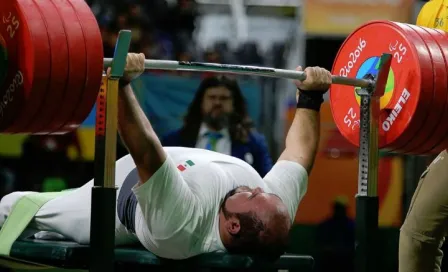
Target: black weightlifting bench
[(70, 255)]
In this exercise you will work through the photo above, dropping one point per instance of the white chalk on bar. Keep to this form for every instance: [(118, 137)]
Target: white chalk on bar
[(242, 70)]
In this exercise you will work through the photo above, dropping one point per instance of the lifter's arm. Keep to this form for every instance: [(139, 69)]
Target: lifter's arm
[(303, 136), (134, 127)]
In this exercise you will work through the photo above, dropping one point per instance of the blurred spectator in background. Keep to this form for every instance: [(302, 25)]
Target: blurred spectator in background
[(45, 162), (217, 120), (336, 240), (7, 180), (160, 29)]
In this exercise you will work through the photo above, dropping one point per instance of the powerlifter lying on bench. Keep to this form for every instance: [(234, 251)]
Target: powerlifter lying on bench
[(182, 202)]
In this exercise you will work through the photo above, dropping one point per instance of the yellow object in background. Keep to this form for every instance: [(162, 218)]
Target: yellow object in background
[(434, 14)]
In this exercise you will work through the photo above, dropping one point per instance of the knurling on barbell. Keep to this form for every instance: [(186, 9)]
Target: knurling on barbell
[(51, 65)]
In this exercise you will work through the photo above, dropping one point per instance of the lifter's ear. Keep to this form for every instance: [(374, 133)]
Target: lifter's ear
[(233, 225)]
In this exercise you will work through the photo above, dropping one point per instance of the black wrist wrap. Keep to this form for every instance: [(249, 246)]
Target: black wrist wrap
[(310, 100), (122, 83)]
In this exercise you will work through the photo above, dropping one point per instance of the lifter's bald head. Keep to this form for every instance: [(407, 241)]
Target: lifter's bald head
[(254, 222)]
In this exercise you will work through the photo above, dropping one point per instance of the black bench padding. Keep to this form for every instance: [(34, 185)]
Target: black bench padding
[(74, 256)]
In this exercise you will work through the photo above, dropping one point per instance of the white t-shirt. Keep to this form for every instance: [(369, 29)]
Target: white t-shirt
[(178, 207)]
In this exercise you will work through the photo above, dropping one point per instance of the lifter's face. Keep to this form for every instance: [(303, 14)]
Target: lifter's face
[(217, 101), (244, 199)]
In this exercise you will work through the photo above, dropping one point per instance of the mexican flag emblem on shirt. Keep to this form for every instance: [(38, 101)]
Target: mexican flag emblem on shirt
[(185, 166)]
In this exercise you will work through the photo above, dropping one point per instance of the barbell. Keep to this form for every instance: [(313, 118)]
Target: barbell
[(51, 66)]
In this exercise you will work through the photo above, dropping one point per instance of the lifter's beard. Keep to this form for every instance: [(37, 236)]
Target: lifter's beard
[(225, 212)]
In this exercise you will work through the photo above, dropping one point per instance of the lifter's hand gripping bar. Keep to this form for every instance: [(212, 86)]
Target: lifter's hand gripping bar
[(243, 70)]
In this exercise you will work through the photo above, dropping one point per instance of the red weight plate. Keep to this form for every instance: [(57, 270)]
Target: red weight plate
[(433, 132), (427, 92), (24, 40), (442, 130), (405, 102), (77, 66), (59, 69), (437, 105), (95, 57)]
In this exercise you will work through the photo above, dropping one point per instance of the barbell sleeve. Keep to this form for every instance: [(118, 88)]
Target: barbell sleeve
[(241, 70)]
